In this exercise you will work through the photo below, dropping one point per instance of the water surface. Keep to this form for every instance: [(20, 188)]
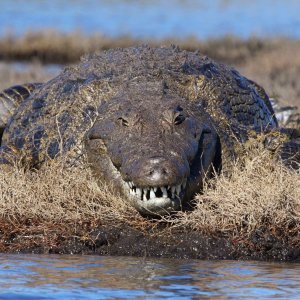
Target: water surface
[(92, 277), (155, 18)]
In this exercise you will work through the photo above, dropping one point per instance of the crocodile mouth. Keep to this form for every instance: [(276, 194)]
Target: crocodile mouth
[(156, 190), (156, 194)]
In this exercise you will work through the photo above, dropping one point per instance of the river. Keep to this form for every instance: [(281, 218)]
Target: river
[(155, 18), (91, 277)]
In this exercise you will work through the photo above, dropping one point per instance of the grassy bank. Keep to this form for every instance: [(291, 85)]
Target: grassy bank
[(257, 208)]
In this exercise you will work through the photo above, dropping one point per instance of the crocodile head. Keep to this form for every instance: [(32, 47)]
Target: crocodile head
[(152, 145)]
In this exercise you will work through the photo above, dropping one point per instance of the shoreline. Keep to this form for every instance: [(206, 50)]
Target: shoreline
[(124, 240)]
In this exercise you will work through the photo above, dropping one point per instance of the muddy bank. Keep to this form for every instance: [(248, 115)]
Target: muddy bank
[(164, 242), (254, 214)]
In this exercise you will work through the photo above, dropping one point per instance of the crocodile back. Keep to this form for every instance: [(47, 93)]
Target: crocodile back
[(11, 98)]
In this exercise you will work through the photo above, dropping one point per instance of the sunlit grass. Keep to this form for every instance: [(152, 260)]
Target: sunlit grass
[(260, 193)]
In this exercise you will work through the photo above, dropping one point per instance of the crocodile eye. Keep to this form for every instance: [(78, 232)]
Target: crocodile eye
[(179, 115), (179, 119), (123, 121)]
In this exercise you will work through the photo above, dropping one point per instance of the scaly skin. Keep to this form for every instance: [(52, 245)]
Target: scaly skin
[(153, 122), (11, 98)]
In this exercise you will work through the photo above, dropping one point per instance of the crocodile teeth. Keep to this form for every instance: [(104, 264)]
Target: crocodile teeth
[(173, 188), (144, 198), (164, 191), (151, 193), (139, 192)]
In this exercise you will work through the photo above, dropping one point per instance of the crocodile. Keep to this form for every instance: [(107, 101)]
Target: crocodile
[(153, 123)]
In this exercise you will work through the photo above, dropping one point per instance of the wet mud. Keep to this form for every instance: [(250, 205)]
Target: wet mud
[(125, 240)]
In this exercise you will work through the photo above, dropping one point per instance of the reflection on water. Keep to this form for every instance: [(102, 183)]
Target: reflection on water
[(156, 18), (88, 277)]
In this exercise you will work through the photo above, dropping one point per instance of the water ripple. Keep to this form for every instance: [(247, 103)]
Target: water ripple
[(93, 277)]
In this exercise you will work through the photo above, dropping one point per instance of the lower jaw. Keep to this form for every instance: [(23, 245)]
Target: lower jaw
[(157, 206)]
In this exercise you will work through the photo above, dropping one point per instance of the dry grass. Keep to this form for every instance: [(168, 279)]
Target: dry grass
[(58, 194), (55, 47), (261, 194), (278, 71)]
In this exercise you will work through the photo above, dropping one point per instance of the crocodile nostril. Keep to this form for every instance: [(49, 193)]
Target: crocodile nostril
[(163, 171), (158, 171)]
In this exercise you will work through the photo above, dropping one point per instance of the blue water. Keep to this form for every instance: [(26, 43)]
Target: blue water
[(155, 18), (92, 277)]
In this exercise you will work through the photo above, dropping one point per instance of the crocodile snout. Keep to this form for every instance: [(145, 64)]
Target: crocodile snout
[(157, 171)]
